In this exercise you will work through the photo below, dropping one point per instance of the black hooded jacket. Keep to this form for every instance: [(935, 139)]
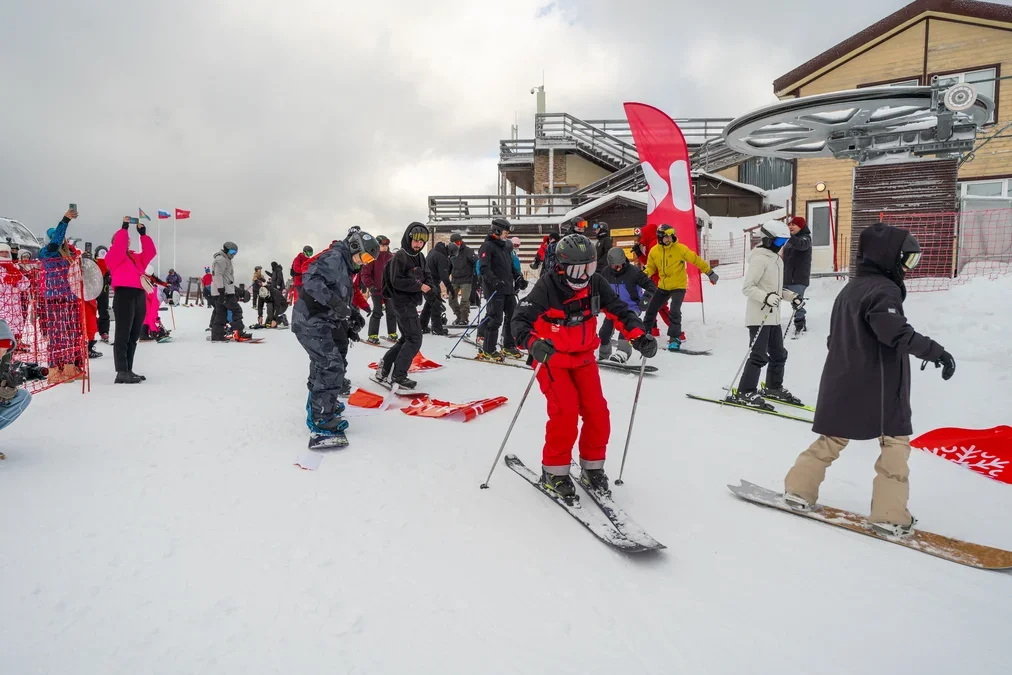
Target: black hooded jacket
[(438, 265), (495, 262), (405, 273), (798, 258), (865, 387)]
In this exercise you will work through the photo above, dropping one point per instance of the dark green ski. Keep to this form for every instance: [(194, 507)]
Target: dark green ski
[(775, 413)]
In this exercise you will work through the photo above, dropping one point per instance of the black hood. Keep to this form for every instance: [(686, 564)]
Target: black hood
[(406, 237), (441, 248), (802, 231), (878, 251)]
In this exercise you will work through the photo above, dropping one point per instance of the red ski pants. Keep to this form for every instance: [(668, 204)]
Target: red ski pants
[(574, 393)]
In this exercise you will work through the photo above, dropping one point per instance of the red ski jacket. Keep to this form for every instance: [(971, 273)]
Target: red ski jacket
[(554, 311), (298, 267)]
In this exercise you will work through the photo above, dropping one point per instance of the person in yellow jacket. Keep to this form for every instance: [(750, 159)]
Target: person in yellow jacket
[(667, 259)]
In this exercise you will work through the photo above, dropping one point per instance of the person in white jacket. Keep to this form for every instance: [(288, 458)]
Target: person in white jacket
[(764, 288)]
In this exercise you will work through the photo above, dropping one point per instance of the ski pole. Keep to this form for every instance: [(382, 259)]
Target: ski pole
[(751, 344), (632, 418), (537, 369), (471, 325)]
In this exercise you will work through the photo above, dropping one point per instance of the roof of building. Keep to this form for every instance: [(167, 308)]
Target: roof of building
[(963, 8)]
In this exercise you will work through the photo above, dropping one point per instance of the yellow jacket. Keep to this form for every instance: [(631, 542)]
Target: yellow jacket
[(669, 263)]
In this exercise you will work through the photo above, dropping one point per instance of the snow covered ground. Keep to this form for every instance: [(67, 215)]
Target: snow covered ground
[(162, 528)]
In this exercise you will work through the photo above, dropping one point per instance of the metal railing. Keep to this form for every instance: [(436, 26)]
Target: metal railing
[(485, 207), (714, 155), (697, 130), (586, 137), (629, 178), (516, 151)]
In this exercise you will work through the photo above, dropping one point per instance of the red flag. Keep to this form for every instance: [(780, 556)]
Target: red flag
[(181, 214), (665, 158), (463, 411)]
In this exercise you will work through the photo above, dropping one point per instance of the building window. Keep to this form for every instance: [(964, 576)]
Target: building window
[(564, 189), (818, 222), (982, 80), (984, 188)]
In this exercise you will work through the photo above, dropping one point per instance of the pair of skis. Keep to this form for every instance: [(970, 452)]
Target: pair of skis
[(775, 413), (615, 529)]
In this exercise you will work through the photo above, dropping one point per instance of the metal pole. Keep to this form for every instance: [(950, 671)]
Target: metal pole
[(751, 344), (471, 325), (174, 223), (632, 418), (537, 369)]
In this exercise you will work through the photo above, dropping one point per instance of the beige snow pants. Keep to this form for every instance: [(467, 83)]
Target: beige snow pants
[(890, 489)]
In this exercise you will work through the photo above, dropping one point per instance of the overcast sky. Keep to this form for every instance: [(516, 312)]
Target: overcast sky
[(283, 123)]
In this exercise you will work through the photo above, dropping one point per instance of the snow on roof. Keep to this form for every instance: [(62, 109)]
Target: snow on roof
[(779, 196), (724, 179)]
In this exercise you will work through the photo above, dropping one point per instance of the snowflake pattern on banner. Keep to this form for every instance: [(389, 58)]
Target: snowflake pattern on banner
[(974, 459)]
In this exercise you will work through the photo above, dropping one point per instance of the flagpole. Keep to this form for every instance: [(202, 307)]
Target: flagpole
[(159, 247), (174, 224)]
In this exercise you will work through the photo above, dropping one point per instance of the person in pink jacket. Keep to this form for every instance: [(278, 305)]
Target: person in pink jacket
[(129, 303)]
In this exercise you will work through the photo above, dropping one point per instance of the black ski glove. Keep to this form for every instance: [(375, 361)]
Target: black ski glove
[(142, 229), (541, 350), (797, 303), (521, 283), (357, 321), (947, 364), (221, 294), (126, 224), (646, 345)]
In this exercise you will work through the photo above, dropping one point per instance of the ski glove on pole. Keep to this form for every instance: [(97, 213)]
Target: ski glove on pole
[(542, 350), (645, 345), (797, 303)]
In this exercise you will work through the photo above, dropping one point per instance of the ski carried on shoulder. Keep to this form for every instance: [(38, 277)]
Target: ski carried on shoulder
[(775, 413), (953, 550), (625, 367), (599, 527), (622, 522)]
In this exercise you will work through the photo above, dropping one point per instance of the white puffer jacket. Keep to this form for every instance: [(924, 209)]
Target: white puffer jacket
[(765, 275)]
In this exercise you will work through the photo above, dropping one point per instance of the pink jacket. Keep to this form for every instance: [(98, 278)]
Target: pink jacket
[(126, 266)]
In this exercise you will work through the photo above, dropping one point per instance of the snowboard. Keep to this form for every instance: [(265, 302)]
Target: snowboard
[(953, 550), (688, 352), (327, 442), (625, 367), (253, 341), (406, 393), (599, 525), (164, 339)]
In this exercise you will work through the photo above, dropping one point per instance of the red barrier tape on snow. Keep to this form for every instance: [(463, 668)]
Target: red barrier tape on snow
[(984, 451), (418, 364), (437, 408)]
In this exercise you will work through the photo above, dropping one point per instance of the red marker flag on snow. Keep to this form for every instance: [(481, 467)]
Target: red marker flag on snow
[(181, 214), (462, 411), (984, 451), (665, 159)]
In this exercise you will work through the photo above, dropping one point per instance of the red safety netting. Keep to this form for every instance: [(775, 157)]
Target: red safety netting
[(39, 303), (957, 246)]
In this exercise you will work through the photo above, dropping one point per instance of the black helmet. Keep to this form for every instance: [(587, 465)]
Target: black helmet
[(258, 267), (364, 243), (383, 240), (576, 260), (666, 231), (230, 248), (616, 256), (499, 225), (602, 229), (910, 253), (353, 229), (308, 250)]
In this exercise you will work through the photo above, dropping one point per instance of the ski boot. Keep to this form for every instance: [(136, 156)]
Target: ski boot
[(345, 388), (92, 352), (780, 394), (512, 353), (495, 357), (674, 345), (596, 480), (893, 530), (126, 377), (561, 486), (382, 373), (461, 322), (393, 337), (373, 339), (105, 337), (749, 399), (403, 381), (441, 332), (797, 503), (619, 357), (604, 353), (425, 330), (241, 337), (800, 327)]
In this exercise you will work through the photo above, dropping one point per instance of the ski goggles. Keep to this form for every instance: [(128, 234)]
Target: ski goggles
[(910, 260), (577, 273), (780, 241), (419, 235), (366, 258), (232, 251)]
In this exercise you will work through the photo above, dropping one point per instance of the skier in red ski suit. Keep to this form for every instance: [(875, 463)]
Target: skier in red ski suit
[(298, 267), (557, 323)]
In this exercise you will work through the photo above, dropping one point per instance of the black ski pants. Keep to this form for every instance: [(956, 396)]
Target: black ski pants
[(377, 313), (658, 300), (103, 311), (434, 311), (220, 317), (399, 357), (500, 308), (768, 348), (326, 367), (129, 305)]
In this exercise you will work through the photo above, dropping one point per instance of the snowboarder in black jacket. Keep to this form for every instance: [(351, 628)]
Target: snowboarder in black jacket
[(437, 266), (498, 276), (405, 283), (323, 309), (603, 233), (798, 266), (632, 286), (865, 388)]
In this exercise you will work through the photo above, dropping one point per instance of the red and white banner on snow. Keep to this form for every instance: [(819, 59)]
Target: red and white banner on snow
[(665, 160), (984, 451), (464, 411), (418, 364)]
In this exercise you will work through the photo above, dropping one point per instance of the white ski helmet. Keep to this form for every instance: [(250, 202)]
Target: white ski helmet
[(775, 233)]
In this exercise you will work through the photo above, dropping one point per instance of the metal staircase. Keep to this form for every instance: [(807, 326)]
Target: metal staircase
[(563, 131)]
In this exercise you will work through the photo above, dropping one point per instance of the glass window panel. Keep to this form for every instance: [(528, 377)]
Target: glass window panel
[(818, 223), (986, 189)]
